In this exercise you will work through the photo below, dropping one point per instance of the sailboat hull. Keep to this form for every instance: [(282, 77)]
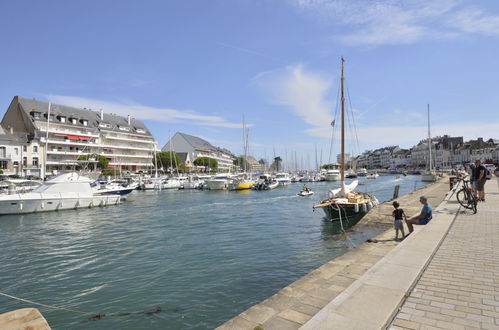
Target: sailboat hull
[(347, 214)]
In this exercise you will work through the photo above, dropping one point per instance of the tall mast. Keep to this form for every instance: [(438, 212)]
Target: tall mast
[(342, 123), (46, 143), (429, 137)]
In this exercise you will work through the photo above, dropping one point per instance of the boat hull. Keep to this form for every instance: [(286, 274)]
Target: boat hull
[(216, 184), (348, 214), (19, 204)]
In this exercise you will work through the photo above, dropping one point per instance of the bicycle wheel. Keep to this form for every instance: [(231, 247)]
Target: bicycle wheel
[(463, 198), (473, 202)]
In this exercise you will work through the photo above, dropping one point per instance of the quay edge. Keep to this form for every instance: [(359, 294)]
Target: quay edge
[(296, 304)]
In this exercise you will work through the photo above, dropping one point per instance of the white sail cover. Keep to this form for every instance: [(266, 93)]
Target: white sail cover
[(344, 189)]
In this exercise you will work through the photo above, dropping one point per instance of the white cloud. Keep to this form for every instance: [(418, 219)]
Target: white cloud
[(126, 107), (474, 20), (302, 92), (384, 22)]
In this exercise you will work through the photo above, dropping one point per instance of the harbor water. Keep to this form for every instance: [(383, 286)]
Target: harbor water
[(202, 256)]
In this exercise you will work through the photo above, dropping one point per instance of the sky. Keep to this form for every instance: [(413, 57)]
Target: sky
[(198, 67)]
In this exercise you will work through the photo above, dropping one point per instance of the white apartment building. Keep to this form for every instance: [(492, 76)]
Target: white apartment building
[(197, 147), (74, 132)]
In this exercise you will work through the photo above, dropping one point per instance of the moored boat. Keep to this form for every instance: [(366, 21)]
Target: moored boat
[(344, 203), (65, 191)]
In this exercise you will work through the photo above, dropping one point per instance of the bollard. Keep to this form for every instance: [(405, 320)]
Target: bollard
[(396, 192)]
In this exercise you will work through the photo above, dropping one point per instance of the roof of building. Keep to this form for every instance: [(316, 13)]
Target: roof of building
[(200, 144), (5, 135), (93, 117)]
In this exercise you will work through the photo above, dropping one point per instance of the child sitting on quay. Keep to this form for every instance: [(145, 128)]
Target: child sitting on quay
[(399, 216)]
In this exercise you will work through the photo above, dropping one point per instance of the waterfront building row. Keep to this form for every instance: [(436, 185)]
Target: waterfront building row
[(446, 152), (53, 137)]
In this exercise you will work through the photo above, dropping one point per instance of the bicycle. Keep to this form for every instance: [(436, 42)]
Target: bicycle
[(466, 196)]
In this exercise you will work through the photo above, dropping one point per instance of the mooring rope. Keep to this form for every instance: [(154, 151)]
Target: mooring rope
[(95, 316)]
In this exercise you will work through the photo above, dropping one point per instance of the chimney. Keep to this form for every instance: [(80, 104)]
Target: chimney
[(128, 119), (101, 114)]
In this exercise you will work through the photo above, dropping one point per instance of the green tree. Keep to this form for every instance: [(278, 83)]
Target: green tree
[(276, 165), (242, 162), (167, 159), (102, 161), (207, 162)]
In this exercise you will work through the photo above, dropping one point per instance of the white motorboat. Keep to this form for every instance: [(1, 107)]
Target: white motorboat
[(171, 183), (272, 184), (113, 188), (283, 179), (372, 175), (332, 175), (305, 193), (66, 191), (362, 172), (219, 182)]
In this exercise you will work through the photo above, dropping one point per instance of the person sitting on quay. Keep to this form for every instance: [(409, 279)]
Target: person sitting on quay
[(423, 218)]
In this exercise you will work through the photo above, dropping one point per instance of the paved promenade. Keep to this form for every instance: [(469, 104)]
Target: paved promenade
[(296, 304), (460, 287)]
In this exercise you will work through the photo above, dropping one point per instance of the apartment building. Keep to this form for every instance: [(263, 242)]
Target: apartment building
[(197, 147), (11, 152), (65, 133)]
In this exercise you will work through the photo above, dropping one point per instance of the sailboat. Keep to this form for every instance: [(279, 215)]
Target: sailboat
[(345, 203), (429, 175)]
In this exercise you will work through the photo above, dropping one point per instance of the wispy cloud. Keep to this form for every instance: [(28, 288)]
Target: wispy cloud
[(301, 91), (136, 110), (385, 22)]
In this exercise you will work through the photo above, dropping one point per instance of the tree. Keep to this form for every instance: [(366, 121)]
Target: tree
[(167, 160), (276, 165), (207, 162), (102, 161), (242, 162)]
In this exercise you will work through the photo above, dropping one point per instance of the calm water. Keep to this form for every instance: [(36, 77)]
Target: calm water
[(202, 256)]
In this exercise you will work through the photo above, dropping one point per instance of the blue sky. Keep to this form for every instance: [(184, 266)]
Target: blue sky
[(198, 66)]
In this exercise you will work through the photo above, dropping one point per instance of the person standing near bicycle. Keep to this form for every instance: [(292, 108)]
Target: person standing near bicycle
[(479, 176)]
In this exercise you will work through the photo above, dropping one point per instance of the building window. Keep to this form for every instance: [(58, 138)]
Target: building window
[(35, 161), (62, 119), (35, 148), (124, 128), (16, 151), (3, 164), (104, 125), (25, 148), (84, 122), (25, 161), (3, 151), (73, 121), (36, 115)]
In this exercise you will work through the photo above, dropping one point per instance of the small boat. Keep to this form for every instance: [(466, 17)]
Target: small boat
[(362, 172), (344, 203), (305, 193), (219, 182), (102, 187), (63, 192), (272, 185), (332, 175), (351, 174), (283, 179), (372, 175)]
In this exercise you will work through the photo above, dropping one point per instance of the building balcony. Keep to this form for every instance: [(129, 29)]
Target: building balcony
[(5, 156), (60, 129), (146, 140)]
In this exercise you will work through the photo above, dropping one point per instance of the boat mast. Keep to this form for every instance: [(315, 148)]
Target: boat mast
[(429, 137), (342, 159), (46, 143)]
